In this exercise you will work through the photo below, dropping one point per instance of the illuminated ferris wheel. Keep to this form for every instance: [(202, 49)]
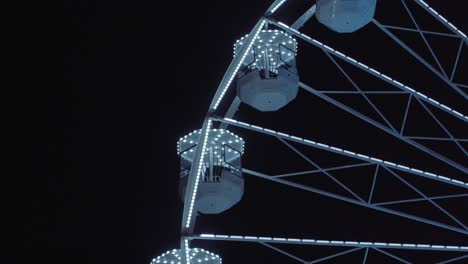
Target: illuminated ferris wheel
[(267, 74)]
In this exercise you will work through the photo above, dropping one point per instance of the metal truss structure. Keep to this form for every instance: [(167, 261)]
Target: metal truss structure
[(402, 172)]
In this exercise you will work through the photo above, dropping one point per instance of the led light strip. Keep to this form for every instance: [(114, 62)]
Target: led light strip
[(199, 170), (187, 252), (444, 20), (340, 243), (346, 152), (277, 6), (233, 74), (375, 72)]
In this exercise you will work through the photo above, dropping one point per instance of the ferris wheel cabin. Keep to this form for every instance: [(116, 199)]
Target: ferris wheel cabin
[(345, 16), (221, 184), (268, 78)]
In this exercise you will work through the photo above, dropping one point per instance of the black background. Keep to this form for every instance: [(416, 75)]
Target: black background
[(139, 75)]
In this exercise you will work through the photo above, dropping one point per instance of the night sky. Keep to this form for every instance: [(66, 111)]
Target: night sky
[(139, 75)]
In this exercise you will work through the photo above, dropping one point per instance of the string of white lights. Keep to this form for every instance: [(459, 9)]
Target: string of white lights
[(374, 72), (199, 171), (346, 152), (187, 252), (340, 243), (277, 6), (218, 100), (443, 19)]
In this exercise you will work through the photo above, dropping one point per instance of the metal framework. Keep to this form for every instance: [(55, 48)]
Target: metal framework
[(432, 106)]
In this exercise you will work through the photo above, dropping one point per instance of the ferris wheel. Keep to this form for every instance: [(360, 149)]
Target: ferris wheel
[(276, 66)]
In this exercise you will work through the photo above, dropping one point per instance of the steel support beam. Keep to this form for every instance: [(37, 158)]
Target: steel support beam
[(346, 188), (359, 89), (392, 256), (420, 59), (330, 243), (408, 105), (427, 198), (424, 199), (371, 71), (304, 18), (374, 181), (231, 111), (424, 39), (344, 152), (321, 170), (365, 256), (364, 92), (384, 128), (422, 31), (283, 252), (438, 138), (443, 127), (455, 65), (442, 20), (452, 259), (333, 256), (356, 202), (388, 79)]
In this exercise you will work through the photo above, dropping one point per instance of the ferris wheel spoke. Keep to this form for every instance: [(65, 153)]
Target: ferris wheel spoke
[(363, 92), (365, 256), (331, 243), (384, 128), (420, 59), (389, 125), (198, 166), (356, 202), (423, 199), (233, 108), (405, 118), (453, 259), (333, 255), (424, 38), (443, 127), (311, 261), (321, 170), (427, 198), (419, 30), (442, 19), (374, 180), (439, 139), (305, 17), (344, 152), (462, 85), (376, 173), (283, 252), (359, 89), (455, 65), (392, 256), (370, 70), (384, 164), (378, 125)]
